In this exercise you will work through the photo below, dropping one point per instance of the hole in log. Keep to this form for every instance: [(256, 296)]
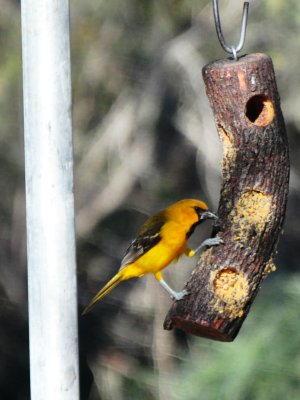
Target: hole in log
[(232, 290), (250, 215), (260, 110)]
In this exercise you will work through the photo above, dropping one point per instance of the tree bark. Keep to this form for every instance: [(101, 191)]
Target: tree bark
[(246, 106)]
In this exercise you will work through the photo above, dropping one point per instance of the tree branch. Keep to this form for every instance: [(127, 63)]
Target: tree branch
[(246, 106)]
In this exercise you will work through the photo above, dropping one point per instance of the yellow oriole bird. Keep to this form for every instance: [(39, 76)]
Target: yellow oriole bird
[(161, 240)]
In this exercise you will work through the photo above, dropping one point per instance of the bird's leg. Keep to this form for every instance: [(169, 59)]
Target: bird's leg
[(207, 242), (174, 295)]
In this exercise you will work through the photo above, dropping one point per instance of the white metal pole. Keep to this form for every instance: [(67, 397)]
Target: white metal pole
[(49, 200)]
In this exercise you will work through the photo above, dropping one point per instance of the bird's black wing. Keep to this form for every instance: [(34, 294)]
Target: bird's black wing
[(148, 237)]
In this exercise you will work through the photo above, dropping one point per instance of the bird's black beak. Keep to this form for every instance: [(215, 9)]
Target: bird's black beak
[(208, 215)]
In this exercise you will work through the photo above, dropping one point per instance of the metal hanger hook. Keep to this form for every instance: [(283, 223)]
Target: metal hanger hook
[(233, 50)]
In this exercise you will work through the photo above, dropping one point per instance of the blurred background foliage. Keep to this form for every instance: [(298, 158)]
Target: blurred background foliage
[(144, 137)]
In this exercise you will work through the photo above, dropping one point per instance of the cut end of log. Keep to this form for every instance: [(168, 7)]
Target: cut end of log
[(200, 328)]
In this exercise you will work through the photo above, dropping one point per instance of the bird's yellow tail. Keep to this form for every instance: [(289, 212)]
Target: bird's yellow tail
[(104, 291)]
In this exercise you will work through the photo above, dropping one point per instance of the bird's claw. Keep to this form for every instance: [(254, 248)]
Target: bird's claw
[(213, 241), (179, 295), (207, 243)]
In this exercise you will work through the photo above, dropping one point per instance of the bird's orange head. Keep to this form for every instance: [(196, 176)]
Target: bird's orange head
[(190, 212)]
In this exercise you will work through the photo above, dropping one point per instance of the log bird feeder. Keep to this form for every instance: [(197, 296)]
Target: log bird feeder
[(246, 106)]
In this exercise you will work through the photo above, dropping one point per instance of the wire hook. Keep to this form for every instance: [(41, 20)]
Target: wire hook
[(231, 49)]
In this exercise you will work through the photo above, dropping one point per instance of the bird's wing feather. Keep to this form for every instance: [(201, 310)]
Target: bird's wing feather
[(148, 237)]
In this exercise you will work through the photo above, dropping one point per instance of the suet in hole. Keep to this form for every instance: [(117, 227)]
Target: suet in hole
[(231, 285), (260, 110)]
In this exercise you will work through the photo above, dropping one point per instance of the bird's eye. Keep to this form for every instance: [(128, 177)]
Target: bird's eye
[(198, 210)]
